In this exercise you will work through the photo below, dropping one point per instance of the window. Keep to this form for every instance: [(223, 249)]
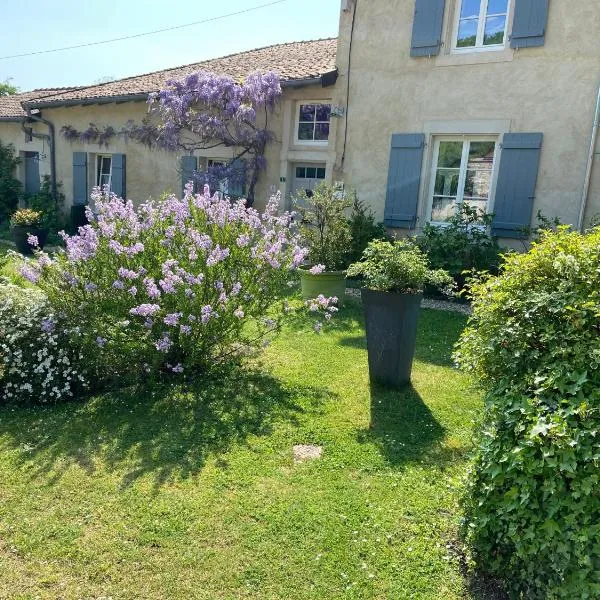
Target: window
[(481, 25), (104, 170), (223, 185), (313, 123), (462, 173)]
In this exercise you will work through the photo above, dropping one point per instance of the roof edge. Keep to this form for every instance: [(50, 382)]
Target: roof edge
[(142, 97)]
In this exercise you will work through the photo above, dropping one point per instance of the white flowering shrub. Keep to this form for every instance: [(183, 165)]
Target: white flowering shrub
[(174, 286), (37, 360)]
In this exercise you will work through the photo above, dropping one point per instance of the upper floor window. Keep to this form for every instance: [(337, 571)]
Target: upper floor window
[(463, 171), (481, 24), (312, 123), (103, 170)]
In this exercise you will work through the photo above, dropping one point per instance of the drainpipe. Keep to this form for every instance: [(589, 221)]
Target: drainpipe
[(590, 164), (50, 137)]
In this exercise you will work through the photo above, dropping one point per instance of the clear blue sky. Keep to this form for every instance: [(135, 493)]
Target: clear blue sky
[(32, 26)]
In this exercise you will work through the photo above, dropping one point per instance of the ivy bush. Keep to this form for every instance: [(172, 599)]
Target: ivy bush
[(10, 186), (38, 361), (532, 508), (179, 285)]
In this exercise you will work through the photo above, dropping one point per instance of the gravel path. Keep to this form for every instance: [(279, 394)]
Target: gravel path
[(432, 303)]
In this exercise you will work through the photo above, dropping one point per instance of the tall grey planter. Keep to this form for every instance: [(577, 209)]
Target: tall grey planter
[(391, 321)]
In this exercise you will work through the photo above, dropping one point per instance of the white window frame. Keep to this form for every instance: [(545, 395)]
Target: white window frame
[(313, 142), (483, 15), (98, 174), (463, 171)]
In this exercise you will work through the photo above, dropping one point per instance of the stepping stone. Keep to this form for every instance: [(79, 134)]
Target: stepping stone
[(303, 453)]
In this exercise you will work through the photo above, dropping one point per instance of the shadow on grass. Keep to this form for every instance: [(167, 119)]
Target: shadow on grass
[(438, 331), (165, 431), (402, 426)]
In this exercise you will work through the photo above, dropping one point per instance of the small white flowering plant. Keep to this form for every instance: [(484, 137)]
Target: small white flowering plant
[(37, 359)]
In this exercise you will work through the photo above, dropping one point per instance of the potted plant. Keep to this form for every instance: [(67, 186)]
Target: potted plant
[(326, 233), (394, 274), (27, 230)]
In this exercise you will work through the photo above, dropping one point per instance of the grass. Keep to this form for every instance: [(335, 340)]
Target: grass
[(194, 494)]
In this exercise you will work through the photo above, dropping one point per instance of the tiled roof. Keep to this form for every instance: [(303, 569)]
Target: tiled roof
[(10, 106), (292, 61)]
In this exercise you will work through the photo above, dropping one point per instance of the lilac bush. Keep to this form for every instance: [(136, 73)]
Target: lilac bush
[(177, 285)]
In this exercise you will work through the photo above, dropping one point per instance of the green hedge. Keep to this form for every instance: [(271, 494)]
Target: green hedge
[(532, 509)]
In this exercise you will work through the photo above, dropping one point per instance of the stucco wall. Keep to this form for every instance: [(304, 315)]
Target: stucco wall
[(149, 173), (551, 89)]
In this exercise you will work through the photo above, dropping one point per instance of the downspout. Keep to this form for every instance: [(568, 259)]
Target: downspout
[(590, 164), (50, 137)]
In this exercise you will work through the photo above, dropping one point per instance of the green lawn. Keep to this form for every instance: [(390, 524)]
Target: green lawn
[(194, 494)]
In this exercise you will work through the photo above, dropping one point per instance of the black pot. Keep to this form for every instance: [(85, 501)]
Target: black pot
[(391, 322), (20, 234)]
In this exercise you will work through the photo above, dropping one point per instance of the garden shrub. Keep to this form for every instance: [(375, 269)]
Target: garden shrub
[(37, 360), (10, 186), (462, 246), (51, 209), (532, 508), (177, 285), (363, 229)]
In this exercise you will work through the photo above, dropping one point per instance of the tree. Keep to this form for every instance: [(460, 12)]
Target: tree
[(207, 111), (7, 89)]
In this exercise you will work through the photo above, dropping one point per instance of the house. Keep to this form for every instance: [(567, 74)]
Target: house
[(302, 154), (488, 102)]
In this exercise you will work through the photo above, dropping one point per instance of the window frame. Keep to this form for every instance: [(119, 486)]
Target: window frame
[(313, 142), (483, 15), (99, 174), (433, 168)]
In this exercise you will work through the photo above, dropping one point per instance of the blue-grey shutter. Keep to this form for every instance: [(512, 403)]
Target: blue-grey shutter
[(189, 164), (404, 180), (118, 175), (529, 25), (80, 178), (427, 27), (515, 190), (237, 184)]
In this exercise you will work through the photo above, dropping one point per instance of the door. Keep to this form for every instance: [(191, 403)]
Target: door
[(32, 172), (307, 178)]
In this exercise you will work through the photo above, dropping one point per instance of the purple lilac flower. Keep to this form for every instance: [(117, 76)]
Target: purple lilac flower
[(118, 285), (189, 293), (192, 318), (32, 240), (317, 270), (100, 341), (127, 273), (48, 325), (235, 290), (145, 310), (164, 343), (243, 240), (148, 323), (207, 313), (151, 288), (172, 319), (30, 273), (239, 313), (217, 255), (185, 329), (177, 369), (90, 287), (132, 290), (317, 327)]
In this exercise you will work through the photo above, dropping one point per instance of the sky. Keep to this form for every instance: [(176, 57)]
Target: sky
[(48, 24)]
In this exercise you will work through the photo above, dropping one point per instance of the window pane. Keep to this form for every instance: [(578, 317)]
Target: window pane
[(497, 7), (446, 182), (311, 172), (105, 164), (494, 31), (320, 173), (300, 172), (443, 209), (322, 131), (481, 154), (323, 112), (478, 203), (307, 112), (470, 9), (467, 33), (450, 154), (478, 183), (306, 131)]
